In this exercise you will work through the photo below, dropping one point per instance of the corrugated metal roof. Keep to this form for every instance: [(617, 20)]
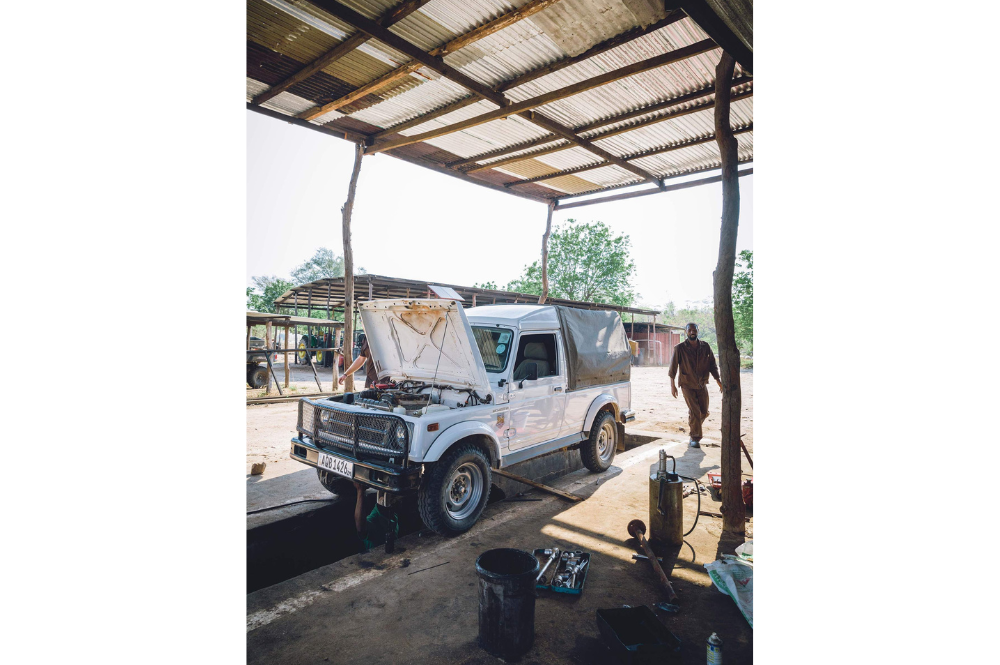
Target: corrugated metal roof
[(283, 36)]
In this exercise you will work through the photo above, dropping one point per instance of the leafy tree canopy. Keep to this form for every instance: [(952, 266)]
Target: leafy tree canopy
[(324, 264), (261, 296), (743, 302), (586, 262)]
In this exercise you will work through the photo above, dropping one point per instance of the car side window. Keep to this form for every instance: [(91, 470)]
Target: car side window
[(540, 349)]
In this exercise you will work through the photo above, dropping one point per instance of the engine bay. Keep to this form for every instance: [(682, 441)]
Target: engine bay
[(413, 398)]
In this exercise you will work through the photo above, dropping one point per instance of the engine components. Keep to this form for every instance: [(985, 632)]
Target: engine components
[(569, 574)]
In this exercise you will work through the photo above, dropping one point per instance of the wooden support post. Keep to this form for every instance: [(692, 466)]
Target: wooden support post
[(349, 268), (733, 509), (286, 356), (267, 350), (545, 255)]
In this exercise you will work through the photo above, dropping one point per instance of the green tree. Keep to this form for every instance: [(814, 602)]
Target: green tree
[(700, 313), (261, 296), (586, 262), (743, 301), (323, 264), (492, 286)]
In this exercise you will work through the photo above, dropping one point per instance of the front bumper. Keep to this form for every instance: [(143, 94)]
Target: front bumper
[(393, 479)]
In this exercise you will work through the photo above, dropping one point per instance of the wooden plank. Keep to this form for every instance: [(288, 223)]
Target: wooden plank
[(391, 17), (655, 151), (649, 192), (545, 257), (494, 26), (287, 369), (565, 133), (557, 174), (544, 488), (659, 106), (355, 95), (521, 158), (597, 49), (662, 60), (666, 116), (584, 128), (614, 132), (354, 137), (395, 41), (482, 31), (419, 120), (548, 138)]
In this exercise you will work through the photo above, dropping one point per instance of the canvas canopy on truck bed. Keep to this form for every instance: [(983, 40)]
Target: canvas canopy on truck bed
[(597, 351)]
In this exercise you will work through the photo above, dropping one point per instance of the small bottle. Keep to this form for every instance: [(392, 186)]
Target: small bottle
[(714, 650)]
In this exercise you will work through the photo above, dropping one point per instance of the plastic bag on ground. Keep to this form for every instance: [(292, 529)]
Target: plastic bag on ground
[(735, 579)]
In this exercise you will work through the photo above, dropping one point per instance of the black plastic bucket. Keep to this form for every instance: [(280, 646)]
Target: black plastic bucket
[(506, 601)]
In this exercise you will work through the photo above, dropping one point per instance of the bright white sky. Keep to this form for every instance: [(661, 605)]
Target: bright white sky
[(415, 223)]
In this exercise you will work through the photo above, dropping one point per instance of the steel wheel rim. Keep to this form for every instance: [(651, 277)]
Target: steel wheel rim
[(605, 441), (301, 353), (463, 491), (319, 357)]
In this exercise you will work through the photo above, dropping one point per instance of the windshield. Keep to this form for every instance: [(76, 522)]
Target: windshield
[(494, 347)]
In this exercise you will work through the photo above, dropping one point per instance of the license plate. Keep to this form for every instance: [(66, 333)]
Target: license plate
[(336, 464)]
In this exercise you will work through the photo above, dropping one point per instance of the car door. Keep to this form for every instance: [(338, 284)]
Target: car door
[(536, 406)]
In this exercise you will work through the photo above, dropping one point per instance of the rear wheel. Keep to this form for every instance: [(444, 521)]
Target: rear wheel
[(598, 451), (455, 490), (333, 483), (257, 376), (302, 353)]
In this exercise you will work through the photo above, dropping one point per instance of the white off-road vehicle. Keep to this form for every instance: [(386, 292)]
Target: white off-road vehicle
[(462, 392)]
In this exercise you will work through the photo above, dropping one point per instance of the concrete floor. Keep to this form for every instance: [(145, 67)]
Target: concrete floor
[(397, 609)]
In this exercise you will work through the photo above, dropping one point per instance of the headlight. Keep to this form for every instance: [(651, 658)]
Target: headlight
[(324, 416), (401, 435)]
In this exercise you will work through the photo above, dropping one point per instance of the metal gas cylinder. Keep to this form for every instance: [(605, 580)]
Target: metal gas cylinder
[(666, 514)]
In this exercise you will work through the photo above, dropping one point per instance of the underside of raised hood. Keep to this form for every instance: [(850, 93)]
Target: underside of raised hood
[(414, 339)]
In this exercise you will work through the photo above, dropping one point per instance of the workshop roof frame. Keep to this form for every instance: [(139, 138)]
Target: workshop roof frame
[(531, 48), (327, 294)]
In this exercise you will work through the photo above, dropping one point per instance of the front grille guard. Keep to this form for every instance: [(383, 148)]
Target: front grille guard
[(364, 436)]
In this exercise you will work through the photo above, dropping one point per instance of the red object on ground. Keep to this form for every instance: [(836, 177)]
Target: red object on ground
[(715, 480)]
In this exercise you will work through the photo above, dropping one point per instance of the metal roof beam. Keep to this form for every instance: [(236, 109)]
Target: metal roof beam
[(485, 30), (647, 192), (394, 15), (568, 91), (649, 153)]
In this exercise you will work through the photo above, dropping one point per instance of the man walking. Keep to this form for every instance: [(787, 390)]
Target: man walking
[(696, 361)]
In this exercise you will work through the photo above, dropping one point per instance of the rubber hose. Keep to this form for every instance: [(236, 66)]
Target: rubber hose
[(698, 514)]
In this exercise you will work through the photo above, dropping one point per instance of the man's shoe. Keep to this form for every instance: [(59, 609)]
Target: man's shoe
[(695, 444)]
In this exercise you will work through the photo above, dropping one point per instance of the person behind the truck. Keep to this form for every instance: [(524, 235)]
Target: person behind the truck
[(364, 358), (696, 361)]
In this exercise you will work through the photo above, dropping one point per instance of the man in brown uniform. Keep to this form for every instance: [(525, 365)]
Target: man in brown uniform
[(364, 357), (696, 361)]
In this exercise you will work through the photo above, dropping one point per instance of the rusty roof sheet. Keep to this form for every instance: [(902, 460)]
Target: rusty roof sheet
[(283, 36)]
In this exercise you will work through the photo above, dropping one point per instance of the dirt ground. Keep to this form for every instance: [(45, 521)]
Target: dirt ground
[(271, 426)]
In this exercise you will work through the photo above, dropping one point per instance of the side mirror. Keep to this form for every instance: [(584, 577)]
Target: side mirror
[(532, 370)]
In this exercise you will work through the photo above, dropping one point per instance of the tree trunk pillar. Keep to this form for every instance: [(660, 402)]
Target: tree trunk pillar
[(545, 255), (733, 508), (349, 269)]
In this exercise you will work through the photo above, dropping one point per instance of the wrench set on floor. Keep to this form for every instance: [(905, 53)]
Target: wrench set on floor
[(566, 571)]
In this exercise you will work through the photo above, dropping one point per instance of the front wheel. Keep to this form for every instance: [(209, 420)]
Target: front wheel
[(598, 451), (455, 490)]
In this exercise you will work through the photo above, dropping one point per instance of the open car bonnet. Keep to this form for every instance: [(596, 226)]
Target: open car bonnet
[(410, 338)]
